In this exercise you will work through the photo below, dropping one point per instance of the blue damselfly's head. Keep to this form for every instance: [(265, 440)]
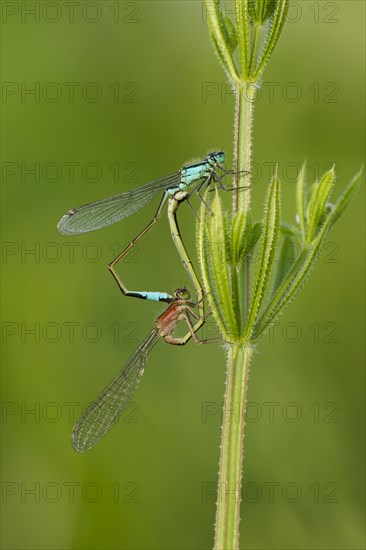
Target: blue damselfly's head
[(215, 158)]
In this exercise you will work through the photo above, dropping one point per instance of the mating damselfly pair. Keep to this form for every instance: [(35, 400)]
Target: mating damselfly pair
[(176, 188)]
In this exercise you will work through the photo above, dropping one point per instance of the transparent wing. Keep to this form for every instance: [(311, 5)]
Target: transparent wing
[(105, 411), (98, 214)]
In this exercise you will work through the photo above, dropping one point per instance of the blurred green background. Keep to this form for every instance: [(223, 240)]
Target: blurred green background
[(150, 484)]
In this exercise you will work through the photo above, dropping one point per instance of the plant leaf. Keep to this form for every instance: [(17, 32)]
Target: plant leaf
[(220, 56), (301, 201), (299, 273), (221, 38), (240, 236), (231, 34), (267, 9), (278, 19), (270, 234), (261, 10), (293, 282), (203, 253), (216, 231), (243, 32), (347, 196), (252, 10), (255, 234), (284, 261), (319, 195), (216, 268), (288, 229)]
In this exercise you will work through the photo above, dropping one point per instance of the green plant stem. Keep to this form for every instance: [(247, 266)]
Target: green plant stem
[(239, 355), (243, 125), (232, 445), (244, 68)]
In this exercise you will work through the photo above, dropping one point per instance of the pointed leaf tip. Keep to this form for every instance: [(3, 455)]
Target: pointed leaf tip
[(347, 196), (319, 195), (270, 235)]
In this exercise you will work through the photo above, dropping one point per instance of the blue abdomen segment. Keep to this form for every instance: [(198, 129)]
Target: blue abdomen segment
[(152, 296)]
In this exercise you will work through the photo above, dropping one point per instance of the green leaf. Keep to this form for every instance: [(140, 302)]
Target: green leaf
[(252, 10), (284, 261), (270, 234), (347, 196), (255, 234), (288, 229), (203, 253), (277, 19), (261, 10), (216, 268), (222, 38), (220, 55), (227, 28), (268, 9), (231, 34), (240, 236), (293, 282), (319, 194), (301, 201), (299, 273), (243, 32)]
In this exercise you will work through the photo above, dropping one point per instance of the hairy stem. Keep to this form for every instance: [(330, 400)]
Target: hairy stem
[(232, 442), (243, 125), (231, 456), (244, 68)]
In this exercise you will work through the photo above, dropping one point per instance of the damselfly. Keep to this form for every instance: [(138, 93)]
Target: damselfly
[(106, 409), (108, 211)]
